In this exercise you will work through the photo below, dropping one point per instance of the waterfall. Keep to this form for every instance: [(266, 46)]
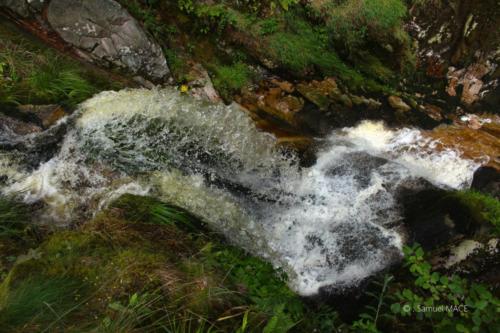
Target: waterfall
[(331, 224)]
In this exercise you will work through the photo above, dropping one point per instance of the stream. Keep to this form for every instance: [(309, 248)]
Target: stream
[(332, 224)]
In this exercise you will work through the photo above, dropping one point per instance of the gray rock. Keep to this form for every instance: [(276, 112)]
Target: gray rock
[(108, 34), (23, 8)]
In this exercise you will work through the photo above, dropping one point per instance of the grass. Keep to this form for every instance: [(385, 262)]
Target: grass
[(13, 217), (30, 73), (136, 268), (32, 303), (231, 79)]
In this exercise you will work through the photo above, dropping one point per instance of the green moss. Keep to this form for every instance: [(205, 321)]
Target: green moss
[(482, 207), (231, 79)]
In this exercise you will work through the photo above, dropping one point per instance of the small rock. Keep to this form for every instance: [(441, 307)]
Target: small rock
[(47, 114), (201, 84), (322, 93), (398, 104), (434, 112)]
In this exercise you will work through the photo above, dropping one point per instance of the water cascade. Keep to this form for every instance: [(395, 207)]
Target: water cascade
[(332, 224)]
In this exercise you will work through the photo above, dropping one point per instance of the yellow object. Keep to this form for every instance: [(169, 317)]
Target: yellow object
[(184, 88)]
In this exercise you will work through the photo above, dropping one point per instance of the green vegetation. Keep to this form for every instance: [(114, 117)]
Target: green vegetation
[(429, 301), (477, 309), (37, 303), (13, 217), (483, 208), (32, 74), (143, 265), (230, 79)]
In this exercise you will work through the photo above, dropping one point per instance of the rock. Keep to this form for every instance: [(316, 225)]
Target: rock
[(487, 180), (470, 80), (201, 84), (433, 112), (322, 93), (17, 6), (105, 32), (284, 85), (398, 104), (475, 137), (48, 115), (274, 102)]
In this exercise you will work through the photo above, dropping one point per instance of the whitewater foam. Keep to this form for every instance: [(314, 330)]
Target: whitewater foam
[(332, 224)]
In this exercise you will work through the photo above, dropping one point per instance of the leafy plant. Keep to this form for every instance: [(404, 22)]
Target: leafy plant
[(445, 303)]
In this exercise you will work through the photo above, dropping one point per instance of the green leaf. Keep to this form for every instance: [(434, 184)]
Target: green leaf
[(396, 308)]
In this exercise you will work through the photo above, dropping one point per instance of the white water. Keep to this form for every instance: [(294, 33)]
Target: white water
[(332, 224)]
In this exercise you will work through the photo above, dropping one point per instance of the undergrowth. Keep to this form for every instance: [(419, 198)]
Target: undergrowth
[(144, 265)]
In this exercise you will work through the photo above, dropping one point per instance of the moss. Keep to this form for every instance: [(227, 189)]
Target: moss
[(483, 208), (231, 79)]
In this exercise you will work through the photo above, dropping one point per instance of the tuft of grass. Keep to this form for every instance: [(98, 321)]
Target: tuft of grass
[(13, 217), (31, 73), (55, 82), (149, 210), (37, 301)]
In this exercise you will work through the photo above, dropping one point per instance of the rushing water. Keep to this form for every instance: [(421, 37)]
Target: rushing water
[(332, 224)]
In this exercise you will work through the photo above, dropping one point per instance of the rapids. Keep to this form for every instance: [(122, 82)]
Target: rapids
[(331, 224)]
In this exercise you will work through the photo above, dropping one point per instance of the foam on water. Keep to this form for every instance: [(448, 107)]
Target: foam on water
[(332, 224)]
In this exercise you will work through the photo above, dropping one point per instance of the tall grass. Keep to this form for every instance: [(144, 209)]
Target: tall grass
[(30, 73), (13, 217), (36, 301)]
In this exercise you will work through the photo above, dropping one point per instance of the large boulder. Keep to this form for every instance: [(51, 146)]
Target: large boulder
[(107, 33)]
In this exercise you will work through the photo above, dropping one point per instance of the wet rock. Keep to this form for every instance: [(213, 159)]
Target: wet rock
[(458, 41), (487, 180), (274, 102), (48, 115), (201, 84), (476, 259), (469, 80), (435, 217), (398, 104), (320, 93), (476, 137), (107, 34), (10, 126), (432, 111)]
